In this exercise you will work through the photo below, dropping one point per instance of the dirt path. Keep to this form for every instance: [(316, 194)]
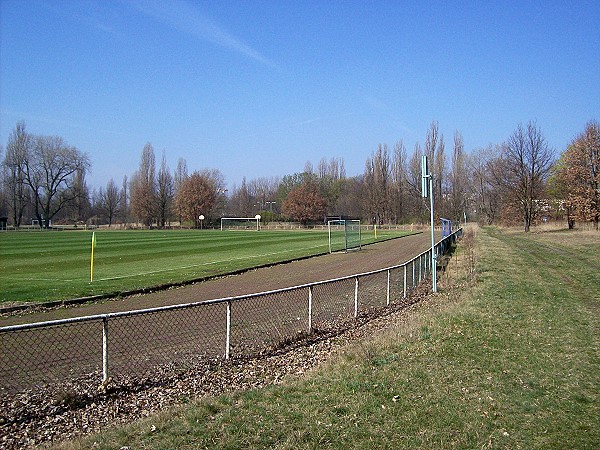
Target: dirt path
[(371, 257)]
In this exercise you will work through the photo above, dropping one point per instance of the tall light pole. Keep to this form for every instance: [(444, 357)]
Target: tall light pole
[(427, 191)]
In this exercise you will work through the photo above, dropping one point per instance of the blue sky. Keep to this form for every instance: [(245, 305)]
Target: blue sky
[(257, 88)]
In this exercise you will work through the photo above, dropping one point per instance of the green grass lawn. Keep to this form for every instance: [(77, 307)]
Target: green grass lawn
[(44, 266), (510, 360)]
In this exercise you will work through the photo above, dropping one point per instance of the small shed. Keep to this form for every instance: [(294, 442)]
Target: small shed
[(3, 223)]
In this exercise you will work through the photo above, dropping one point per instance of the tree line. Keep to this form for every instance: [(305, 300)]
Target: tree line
[(519, 181)]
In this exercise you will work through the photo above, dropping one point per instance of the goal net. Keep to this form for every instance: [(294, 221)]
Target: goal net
[(344, 235), (240, 223)]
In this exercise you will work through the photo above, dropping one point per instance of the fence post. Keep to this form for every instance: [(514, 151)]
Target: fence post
[(228, 326), (404, 287), (310, 296), (413, 277), (356, 298), (428, 259), (104, 349), (388, 289)]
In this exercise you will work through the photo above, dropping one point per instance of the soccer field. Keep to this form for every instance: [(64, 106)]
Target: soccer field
[(45, 266)]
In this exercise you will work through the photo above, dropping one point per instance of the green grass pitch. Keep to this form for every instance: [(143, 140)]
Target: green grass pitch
[(46, 266)]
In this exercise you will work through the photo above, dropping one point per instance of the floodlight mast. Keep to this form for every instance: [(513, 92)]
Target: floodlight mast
[(427, 191)]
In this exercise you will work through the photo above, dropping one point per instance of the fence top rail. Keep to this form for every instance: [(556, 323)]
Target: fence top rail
[(136, 312)]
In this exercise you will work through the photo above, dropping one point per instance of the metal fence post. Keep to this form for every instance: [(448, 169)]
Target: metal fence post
[(413, 277), (404, 284), (356, 298), (388, 289), (104, 349), (430, 254), (310, 297), (228, 326)]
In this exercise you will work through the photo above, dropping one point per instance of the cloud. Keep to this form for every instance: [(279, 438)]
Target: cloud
[(186, 18)]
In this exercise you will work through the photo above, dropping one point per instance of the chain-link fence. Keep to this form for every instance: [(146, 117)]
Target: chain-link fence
[(138, 343)]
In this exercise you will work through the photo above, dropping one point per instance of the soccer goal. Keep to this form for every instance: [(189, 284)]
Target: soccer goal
[(240, 223), (344, 235)]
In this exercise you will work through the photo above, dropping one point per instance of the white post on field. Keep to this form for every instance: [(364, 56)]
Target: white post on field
[(257, 217), (427, 191)]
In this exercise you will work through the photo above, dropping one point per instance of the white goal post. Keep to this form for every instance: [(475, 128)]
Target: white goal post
[(240, 223), (343, 235)]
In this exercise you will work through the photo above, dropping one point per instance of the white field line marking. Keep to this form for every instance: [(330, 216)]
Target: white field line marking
[(206, 263), (168, 270), (173, 268)]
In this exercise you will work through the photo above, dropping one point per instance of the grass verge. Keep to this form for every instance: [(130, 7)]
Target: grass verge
[(512, 361)]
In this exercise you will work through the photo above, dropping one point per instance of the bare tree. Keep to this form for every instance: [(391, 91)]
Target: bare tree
[(439, 177), (377, 179), (143, 188), (264, 191), (110, 200), (50, 172), (124, 200), (525, 164), (350, 202), (416, 204), (164, 192), (458, 179), (217, 179), (79, 209), (435, 151), (181, 173), (322, 168), (241, 200), (337, 169), (308, 167), (399, 182), (486, 192), (19, 146), (431, 141)]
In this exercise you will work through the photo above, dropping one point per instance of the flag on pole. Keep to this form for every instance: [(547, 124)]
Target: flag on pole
[(92, 259)]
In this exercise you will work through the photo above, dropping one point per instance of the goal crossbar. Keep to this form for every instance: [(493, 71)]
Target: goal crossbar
[(240, 223)]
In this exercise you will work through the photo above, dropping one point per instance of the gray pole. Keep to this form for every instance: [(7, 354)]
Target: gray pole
[(433, 255)]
